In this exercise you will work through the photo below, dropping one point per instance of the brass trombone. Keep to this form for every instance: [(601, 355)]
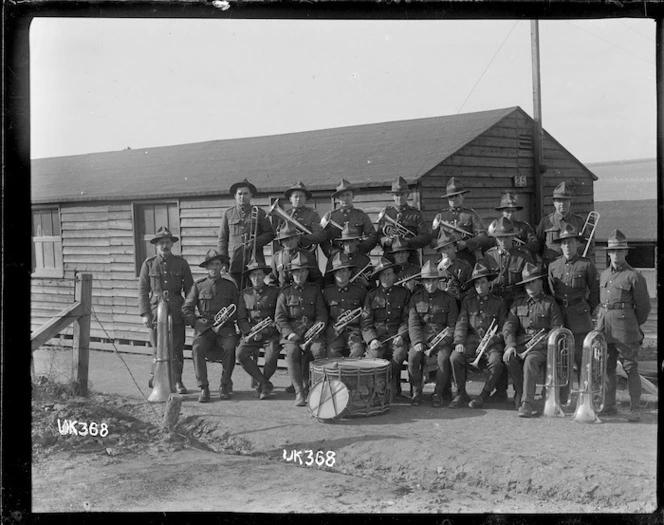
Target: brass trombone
[(393, 228), (559, 370), (484, 343), (591, 219), (250, 242), (534, 341), (592, 388)]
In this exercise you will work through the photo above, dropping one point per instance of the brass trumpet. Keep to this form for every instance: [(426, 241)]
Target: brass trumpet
[(311, 334), (393, 228), (559, 370), (593, 374), (438, 222), (327, 219), (278, 211), (592, 218), (534, 341), (346, 318), (222, 317), (484, 343), (437, 340), (258, 328)]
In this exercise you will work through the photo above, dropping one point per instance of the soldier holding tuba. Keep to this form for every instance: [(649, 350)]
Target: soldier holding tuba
[(531, 315), (624, 307), (210, 295)]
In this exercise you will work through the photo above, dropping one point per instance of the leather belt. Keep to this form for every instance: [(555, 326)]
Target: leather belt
[(617, 306), (570, 302)]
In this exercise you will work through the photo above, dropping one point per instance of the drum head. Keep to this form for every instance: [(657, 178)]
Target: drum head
[(328, 400)]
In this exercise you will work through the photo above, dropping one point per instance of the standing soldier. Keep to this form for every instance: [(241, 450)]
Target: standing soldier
[(401, 254), (524, 233), (343, 297), (507, 261), (403, 220), (350, 239), (299, 306), (165, 276), (210, 294), (430, 312), (550, 226), (243, 227), (458, 219), (346, 212), (530, 313), (478, 312), (574, 283), (385, 320), (258, 303), (624, 307), (454, 271)]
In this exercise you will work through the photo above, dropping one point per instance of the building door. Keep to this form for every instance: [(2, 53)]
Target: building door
[(148, 218)]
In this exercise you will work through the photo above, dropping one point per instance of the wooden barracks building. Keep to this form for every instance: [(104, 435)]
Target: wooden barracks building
[(96, 212)]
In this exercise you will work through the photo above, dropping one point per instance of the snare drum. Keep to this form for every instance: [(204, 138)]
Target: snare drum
[(367, 381)]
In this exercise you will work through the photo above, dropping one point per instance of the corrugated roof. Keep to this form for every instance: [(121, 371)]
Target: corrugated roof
[(636, 219), (616, 179), (369, 155)]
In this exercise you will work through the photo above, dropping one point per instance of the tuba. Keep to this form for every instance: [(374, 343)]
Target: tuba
[(592, 387), (222, 317), (164, 369), (346, 318), (311, 334), (559, 370), (392, 228)]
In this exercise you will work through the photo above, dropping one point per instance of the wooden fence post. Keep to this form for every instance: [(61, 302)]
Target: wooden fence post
[(81, 343)]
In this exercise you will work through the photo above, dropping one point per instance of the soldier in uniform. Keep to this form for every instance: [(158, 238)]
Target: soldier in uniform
[(624, 307), (524, 233), (299, 306), (454, 271), (574, 283), (289, 237), (431, 310), (347, 213), (507, 261), (385, 320), (478, 312), (235, 233), (471, 245), (406, 216), (530, 313), (401, 253), (340, 297), (168, 276), (350, 239), (550, 226), (209, 295), (258, 302)]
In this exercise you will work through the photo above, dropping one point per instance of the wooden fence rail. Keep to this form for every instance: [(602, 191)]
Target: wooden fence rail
[(79, 314)]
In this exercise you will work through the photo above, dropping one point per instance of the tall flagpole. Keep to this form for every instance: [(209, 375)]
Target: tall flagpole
[(537, 124)]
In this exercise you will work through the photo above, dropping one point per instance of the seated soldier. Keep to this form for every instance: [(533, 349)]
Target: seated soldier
[(530, 313), (289, 236), (258, 303), (210, 294), (385, 320), (454, 271), (300, 306), (349, 242), (525, 235), (479, 312), (401, 254), (431, 311), (344, 297)]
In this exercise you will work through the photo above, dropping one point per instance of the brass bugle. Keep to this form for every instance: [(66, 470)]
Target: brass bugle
[(399, 229), (276, 210), (534, 341)]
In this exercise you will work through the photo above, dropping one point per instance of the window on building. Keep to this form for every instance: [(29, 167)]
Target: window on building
[(148, 218), (46, 243)]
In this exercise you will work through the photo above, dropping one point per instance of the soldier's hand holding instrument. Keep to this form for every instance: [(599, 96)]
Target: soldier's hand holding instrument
[(311, 334), (534, 341), (393, 229), (258, 328), (431, 345), (484, 343), (346, 318)]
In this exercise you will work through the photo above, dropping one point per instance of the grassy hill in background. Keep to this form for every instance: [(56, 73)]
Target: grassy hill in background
[(637, 219), (631, 179)]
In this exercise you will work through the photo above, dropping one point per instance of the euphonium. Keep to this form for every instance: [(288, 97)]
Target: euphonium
[(559, 370), (484, 343), (393, 228), (346, 318), (437, 340), (258, 328), (222, 316), (592, 388), (162, 382), (311, 334)]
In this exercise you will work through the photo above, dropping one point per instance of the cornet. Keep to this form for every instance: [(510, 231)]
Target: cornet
[(258, 328), (592, 218), (437, 340), (347, 318), (534, 341), (593, 373), (311, 334), (222, 317), (278, 211), (559, 370), (484, 343), (327, 219), (393, 228)]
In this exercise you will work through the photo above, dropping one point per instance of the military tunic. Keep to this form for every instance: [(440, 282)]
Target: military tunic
[(454, 278), (338, 301), (309, 218), (549, 229), (467, 220), (525, 233), (360, 261), (281, 266), (412, 219), (509, 265), (358, 220)]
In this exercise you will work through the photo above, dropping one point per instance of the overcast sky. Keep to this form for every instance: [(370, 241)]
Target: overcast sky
[(106, 84)]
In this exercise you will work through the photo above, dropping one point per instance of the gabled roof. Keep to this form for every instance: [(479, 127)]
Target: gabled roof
[(370, 155)]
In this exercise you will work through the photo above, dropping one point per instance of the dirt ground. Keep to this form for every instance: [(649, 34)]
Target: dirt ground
[(229, 455)]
